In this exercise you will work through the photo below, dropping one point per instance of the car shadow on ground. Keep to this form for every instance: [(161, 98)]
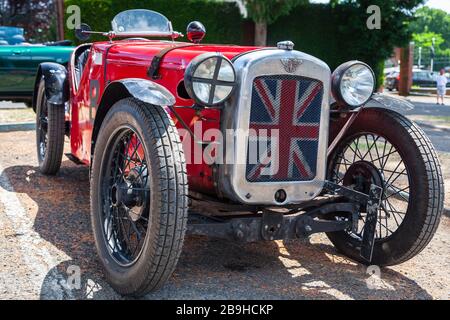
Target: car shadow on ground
[(208, 268)]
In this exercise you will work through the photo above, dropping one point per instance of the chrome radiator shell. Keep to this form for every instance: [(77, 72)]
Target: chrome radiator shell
[(231, 176)]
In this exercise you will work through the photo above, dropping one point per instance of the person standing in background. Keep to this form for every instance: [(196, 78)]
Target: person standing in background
[(441, 82)]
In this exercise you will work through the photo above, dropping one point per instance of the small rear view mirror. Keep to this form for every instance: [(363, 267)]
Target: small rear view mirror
[(83, 32)]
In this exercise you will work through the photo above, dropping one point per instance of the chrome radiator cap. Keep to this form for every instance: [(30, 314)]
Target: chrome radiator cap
[(286, 45)]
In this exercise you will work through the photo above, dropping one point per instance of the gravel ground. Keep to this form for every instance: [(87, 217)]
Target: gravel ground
[(445, 162), (4, 105), (45, 236)]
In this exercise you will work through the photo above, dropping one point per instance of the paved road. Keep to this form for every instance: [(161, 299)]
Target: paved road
[(429, 109), (433, 119), (45, 232), (438, 134)]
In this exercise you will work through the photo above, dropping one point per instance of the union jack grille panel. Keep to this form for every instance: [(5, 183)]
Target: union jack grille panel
[(284, 129)]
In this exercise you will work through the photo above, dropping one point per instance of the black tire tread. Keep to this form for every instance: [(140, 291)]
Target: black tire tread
[(435, 185), (172, 191), (51, 163)]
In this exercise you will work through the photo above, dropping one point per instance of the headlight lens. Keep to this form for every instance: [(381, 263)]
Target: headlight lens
[(210, 79), (353, 83), (202, 91)]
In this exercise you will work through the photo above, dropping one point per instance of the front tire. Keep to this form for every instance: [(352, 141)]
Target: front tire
[(385, 148), (138, 150), (50, 129)]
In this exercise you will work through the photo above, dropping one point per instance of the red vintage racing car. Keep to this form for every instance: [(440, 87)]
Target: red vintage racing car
[(241, 143)]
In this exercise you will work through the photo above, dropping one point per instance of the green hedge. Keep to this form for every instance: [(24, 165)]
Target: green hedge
[(313, 30), (334, 34), (222, 20)]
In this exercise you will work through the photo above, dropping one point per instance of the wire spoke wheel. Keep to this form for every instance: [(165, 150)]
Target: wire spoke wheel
[(384, 148), (366, 159), (126, 195)]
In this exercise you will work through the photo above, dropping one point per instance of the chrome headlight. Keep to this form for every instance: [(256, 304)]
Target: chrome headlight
[(353, 83), (210, 79)]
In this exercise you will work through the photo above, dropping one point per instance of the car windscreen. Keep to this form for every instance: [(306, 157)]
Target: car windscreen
[(140, 21)]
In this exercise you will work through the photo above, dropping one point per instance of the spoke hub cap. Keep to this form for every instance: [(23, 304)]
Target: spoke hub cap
[(129, 194), (124, 194), (361, 175)]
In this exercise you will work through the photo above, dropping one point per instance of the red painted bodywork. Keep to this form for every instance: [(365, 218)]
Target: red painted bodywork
[(131, 59)]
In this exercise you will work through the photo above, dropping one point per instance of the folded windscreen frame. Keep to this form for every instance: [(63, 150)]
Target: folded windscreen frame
[(141, 22)]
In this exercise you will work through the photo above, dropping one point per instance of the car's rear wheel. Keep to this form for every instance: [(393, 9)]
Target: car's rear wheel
[(138, 197), (385, 148), (50, 129)]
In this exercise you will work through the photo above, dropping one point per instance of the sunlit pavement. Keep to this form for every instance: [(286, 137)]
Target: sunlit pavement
[(434, 119)]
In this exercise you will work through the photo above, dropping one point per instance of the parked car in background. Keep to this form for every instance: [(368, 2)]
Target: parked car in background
[(421, 78), (424, 78), (392, 81), (19, 62)]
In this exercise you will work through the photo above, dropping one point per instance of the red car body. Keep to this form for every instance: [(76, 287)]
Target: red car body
[(133, 109), (131, 59)]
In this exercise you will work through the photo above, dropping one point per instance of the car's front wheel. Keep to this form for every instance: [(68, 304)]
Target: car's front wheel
[(386, 149), (138, 197), (50, 129)]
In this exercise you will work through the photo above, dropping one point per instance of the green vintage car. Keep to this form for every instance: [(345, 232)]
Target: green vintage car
[(19, 62)]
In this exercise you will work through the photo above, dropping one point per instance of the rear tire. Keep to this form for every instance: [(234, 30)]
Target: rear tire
[(136, 267), (50, 129), (424, 204)]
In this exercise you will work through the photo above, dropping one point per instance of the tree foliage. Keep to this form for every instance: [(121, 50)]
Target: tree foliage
[(374, 46), (338, 32), (265, 12), (268, 11), (431, 23), (37, 17), (425, 39)]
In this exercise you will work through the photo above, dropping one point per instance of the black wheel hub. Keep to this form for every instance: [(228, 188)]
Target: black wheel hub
[(125, 194), (361, 175), (128, 193)]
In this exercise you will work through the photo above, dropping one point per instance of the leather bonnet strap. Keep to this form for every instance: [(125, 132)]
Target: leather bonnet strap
[(153, 70)]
